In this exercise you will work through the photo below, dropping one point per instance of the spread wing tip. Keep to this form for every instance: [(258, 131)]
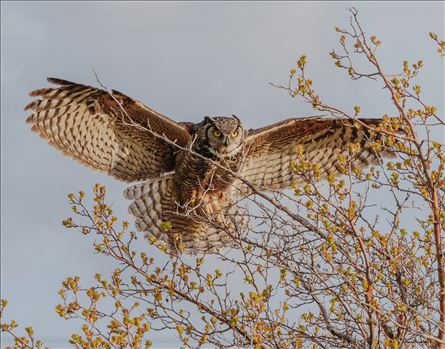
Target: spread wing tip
[(30, 105), (58, 81), (35, 129), (44, 92), (40, 92)]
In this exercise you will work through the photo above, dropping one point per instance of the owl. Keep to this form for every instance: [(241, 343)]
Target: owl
[(191, 175)]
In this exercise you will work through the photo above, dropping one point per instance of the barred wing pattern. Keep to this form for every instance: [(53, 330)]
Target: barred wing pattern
[(105, 131), (272, 149)]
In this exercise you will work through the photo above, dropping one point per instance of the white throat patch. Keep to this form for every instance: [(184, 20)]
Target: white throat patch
[(229, 154)]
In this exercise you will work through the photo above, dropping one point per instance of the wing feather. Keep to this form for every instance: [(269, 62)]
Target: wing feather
[(271, 150), (107, 132)]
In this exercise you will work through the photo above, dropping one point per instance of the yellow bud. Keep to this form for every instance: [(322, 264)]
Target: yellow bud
[(30, 331)]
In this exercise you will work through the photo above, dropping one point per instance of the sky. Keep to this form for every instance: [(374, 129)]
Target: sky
[(185, 60)]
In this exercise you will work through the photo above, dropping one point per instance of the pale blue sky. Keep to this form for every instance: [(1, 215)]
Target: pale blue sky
[(185, 60)]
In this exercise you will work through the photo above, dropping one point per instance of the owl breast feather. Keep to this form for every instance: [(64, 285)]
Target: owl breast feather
[(197, 178)]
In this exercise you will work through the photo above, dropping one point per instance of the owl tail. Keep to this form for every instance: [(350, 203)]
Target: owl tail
[(159, 217), (152, 207)]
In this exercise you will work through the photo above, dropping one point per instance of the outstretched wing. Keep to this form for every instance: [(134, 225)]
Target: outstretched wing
[(272, 149), (106, 131)]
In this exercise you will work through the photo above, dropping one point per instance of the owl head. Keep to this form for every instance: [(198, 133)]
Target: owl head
[(220, 136)]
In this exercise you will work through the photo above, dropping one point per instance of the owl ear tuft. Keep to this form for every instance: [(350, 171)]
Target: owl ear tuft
[(208, 119), (236, 118)]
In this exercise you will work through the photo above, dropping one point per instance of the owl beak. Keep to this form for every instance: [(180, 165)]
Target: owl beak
[(222, 148), (226, 141)]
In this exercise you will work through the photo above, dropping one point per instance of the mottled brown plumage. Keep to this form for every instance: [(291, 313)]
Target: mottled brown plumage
[(188, 199), (90, 126), (272, 149)]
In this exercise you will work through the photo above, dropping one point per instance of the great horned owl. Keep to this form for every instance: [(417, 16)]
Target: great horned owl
[(193, 174)]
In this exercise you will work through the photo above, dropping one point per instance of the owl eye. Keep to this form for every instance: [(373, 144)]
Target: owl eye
[(234, 134), (216, 133)]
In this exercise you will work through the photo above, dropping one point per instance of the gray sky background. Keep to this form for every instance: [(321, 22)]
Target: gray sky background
[(185, 60)]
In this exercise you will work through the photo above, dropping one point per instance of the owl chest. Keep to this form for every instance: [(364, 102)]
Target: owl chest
[(199, 181)]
